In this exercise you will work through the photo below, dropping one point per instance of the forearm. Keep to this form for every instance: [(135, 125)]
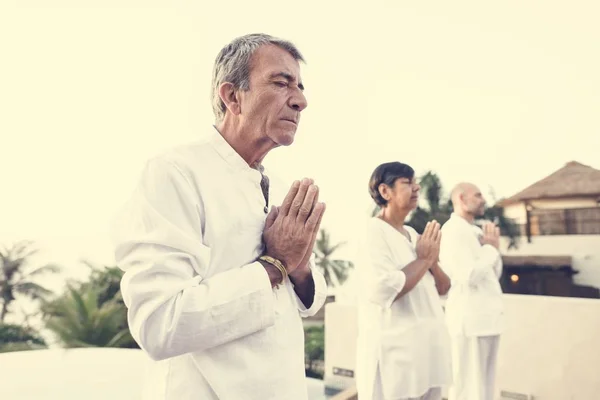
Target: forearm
[(483, 264), (181, 315), (414, 273), (304, 286), (442, 281)]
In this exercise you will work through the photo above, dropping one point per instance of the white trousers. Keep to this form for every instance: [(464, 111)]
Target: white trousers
[(474, 367), (432, 394)]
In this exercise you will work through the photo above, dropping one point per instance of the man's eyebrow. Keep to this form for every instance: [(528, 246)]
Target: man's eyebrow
[(288, 77)]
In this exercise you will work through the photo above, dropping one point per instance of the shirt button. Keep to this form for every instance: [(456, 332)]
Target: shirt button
[(266, 210)]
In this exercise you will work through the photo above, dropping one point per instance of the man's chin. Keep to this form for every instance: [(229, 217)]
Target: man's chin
[(286, 139)]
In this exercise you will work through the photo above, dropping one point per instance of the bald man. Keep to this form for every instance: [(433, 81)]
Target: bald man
[(471, 258)]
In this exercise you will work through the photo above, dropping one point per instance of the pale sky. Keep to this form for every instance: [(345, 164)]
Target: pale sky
[(500, 93)]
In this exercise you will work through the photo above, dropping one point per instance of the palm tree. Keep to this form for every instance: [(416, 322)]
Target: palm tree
[(19, 338), (77, 319), (440, 209), (334, 271), (14, 277)]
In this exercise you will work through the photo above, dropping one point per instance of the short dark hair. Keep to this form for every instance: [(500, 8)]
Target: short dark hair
[(388, 173)]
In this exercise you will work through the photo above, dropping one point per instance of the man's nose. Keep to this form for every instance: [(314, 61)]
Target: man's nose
[(298, 100)]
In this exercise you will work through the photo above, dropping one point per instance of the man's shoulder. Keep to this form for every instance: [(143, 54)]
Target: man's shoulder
[(187, 157), (451, 223)]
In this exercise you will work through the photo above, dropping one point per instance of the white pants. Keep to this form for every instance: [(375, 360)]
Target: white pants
[(432, 394), (474, 367)]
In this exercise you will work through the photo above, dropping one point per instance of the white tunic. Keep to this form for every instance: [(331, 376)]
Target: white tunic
[(403, 345), (198, 302), (474, 305)]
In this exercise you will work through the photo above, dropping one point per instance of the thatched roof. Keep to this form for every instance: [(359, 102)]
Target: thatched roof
[(537, 261), (572, 180)]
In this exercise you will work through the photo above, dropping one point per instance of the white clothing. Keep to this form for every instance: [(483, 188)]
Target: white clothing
[(432, 394), (198, 302), (474, 377), (474, 310), (403, 348), (474, 305)]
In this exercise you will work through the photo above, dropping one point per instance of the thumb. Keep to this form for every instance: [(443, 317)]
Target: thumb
[(271, 217)]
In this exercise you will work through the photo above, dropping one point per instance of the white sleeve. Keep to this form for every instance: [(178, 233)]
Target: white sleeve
[(172, 308), (320, 292), (384, 278), (458, 261)]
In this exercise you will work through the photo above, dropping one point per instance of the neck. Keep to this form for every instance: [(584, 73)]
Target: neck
[(252, 146), (466, 216), (394, 217)]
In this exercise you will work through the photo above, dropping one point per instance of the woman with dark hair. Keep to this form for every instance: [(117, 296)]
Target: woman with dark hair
[(403, 345)]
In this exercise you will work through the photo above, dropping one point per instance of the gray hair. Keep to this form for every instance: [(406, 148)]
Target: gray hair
[(233, 65)]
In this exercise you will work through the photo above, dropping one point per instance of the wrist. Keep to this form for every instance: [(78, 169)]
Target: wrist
[(300, 274), (273, 273), (429, 263), (275, 270)]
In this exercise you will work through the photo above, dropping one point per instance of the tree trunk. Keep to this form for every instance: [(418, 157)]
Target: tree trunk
[(4, 311)]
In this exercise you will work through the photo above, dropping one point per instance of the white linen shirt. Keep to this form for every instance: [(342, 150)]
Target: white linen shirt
[(199, 304), (474, 305), (403, 347)]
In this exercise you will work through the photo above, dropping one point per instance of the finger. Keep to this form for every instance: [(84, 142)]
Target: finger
[(435, 228), (308, 204), (438, 236), (284, 209), (299, 198), (314, 220), (426, 231), (497, 232), (438, 233), (271, 217)]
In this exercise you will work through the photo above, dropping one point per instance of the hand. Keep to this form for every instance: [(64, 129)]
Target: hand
[(291, 228), (303, 270), (428, 244), (491, 235)]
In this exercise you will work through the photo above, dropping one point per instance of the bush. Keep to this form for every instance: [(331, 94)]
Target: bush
[(314, 350), (18, 338)]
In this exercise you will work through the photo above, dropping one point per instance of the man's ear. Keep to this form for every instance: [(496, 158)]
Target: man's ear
[(229, 96)]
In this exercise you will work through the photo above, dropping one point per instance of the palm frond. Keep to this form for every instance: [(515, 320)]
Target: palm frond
[(32, 290)]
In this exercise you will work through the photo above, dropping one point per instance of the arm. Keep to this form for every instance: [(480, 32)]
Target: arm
[(461, 265), (498, 266), (173, 308), (387, 282), (310, 289), (442, 281)]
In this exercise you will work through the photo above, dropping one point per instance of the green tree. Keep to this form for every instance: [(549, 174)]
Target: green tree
[(17, 277), (78, 319), (335, 271), (314, 349), (19, 338), (438, 207)]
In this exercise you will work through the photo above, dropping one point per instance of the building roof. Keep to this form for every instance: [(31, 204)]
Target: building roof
[(572, 180), (537, 261)]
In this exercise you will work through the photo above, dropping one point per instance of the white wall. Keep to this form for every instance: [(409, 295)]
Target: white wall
[(550, 348)]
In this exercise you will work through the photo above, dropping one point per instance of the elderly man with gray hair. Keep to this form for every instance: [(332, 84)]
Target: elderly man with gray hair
[(217, 277)]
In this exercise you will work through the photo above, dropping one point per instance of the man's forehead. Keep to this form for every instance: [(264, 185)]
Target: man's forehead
[(271, 60)]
